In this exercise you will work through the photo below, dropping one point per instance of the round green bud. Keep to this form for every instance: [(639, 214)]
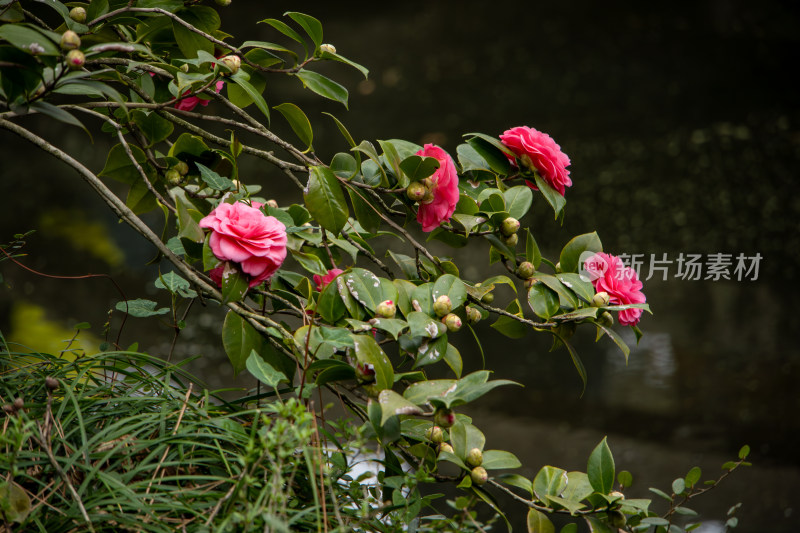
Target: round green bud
[(75, 59), (327, 48), (365, 373), (601, 299), (474, 457), (452, 321), (473, 315), (386, 309), (525, 270), (442, 305), (512, 240), (233, 62), (428, 198), (435, 434), (479, 475), (527, 162), (617, 519), (173, 177), (182, 167), (445, 447), (444, 417), (416, 191), (509, 226), (488, 298), (606, 319), (78, 14), (558, 267), (70, 40)]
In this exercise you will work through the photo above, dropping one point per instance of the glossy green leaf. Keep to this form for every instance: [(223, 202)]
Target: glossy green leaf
[(59, 114), (365, 287), (369, 352), (242, 80), (618, 340), (366, 214), (263, 371), (452, 357), (422, 325), (489, 150), (553, 197), (518, 200), (417, 167), (325, 200), (311, 25), (464, 437), (692, 477), (119, 166), (452, 287), (323, 86), (393, 404), (153, 126), (23, 36), (309, 262), (330, 305), (141, 308), (214, 180), (598, 526), (571, 253), (543, 300), (578, 487), (497, 459), (190, 42), (239, 339), (538, 522), (549, 481), (600, 468), (175, 284), (578, 285), (566, 297), (234, 284), (392, 326), (298, 121)]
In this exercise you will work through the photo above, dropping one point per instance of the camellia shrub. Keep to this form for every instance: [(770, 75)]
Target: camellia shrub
[(337, 291)]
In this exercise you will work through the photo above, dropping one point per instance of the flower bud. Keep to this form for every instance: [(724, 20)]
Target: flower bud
[(365, 373), (75, 59), (601, 299), (233, 62), (223, 3), (181, 167), (474, 457), (452, 321), (442, 305), (272, 203), (606, 319), (416, 191), (617, 519), (445, 447), (527, 162), (444, 417), (473, 315), (488, 298), (19, 403), (509, 226), (70, 40), (525, 270), (435, 434), (558, 267), (185, 67), (512, 240), (479, 475), (51, 383), (327, 48), (78, 14), (386, 309), (173, 177), (428, 198)]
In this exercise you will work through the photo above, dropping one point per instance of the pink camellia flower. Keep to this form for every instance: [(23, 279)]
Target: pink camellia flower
[(537, 150), (190, 102), (322, 281), (244, 235), (444, 186), (608, 274)]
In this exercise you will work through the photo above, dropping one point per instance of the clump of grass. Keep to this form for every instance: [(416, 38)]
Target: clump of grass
[(123, 441)]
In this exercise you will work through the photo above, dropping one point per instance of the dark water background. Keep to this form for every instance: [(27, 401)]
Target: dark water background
[(683, 126)]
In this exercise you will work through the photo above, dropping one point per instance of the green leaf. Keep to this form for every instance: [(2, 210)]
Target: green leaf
[(678, 486), (188, 41), (263, 371), (286, 30), (516, 480), (189, 228), (239, 339), (15, 504), (578, 285), (325, 200), (311, 25), (572, 251), (553, 197), (497, 459), (59, 114), (119, 167), (141, 308), (453, 359), (744, 451), (660, 493), (492, 151), (175, 284), (298, 121), (464, 437), (241, 79), (578, 487), (392, 326), (510, 327), (418, 167), (543, 300), (367, 215), (431, 351), (214, 180), (600, 468), (343, 130), (422, 325), (369, 352), (309, 262), (538, 522), (550, 481), (153, 126), (625, 479), (234, 284), (393, 404), (22, 36), (518, 200), (365, 287), (470, 159), (597, 526), (452, 287), (618, 340), (566, 297), (323, 86)]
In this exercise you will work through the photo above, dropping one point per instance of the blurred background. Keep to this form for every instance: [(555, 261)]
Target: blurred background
[(682, 122)]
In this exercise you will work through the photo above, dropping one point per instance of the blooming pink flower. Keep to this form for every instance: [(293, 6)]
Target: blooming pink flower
[(190, 102), (322, 281), (245, 235), (609, 274), (444, 188), (537, 150)]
